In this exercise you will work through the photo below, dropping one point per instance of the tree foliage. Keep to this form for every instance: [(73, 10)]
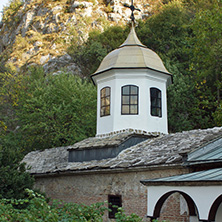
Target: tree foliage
[(39, 110), (13, 176), (207, 59), (56, 110), (166, 33), (187, 36), (43, 111)]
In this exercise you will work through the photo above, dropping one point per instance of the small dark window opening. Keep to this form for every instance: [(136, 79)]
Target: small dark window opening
[(129, 100), (155, 100), (115, 201), (105, 101)]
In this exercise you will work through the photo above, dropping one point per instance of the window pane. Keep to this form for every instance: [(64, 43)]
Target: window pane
[(133, 109), (107, 110), (153, 102), (102, 111), (152, 92), (103, 102), (126, 90), (125, 99), (130, 99), (133, 100), (107, 101), (158, 103), (107, 91), (158, 112), (134, 90), (103, 92), (125, 109), (153, 112)]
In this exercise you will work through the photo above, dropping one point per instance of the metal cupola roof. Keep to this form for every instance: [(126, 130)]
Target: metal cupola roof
[(132, 54)]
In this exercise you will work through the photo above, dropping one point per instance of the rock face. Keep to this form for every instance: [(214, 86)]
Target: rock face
[(39, 32)]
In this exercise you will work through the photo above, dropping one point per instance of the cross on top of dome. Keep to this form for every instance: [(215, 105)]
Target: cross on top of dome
[(132, 8)]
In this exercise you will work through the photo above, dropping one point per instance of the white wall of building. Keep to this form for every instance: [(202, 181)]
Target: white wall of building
[(219, 214), (144, 79), (203, 197), (105, 123)]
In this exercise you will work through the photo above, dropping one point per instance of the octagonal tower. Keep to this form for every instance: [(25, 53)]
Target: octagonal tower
[(131, 90)]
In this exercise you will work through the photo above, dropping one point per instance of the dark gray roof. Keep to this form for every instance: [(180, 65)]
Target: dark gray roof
[(211, 152), (158, 151), (203, 177), (110, 141)]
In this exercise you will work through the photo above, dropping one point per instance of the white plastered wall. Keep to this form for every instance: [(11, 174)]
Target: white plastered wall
[(144, 79), (203, 197)]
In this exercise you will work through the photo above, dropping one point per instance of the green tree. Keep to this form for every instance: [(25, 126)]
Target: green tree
[(187, 36), (218, 115), (10, 88), (166, 33), (55, 110), (179, 98), (13, 176), (207, 59)]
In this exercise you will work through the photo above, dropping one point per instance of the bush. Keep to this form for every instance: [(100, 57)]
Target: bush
[(36, 208), (122, 217)]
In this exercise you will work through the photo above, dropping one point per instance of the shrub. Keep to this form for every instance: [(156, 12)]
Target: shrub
[(36, 208), (122, 217)]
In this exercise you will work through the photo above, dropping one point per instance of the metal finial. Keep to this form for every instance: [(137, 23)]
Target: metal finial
[(132, 8)]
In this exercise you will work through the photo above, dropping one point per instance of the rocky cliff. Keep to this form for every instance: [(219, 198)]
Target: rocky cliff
[(39, 31)]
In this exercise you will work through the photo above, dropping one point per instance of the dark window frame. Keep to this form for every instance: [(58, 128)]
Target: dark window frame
[(130, 95), (107, 96), (155, 102), (114, 200)]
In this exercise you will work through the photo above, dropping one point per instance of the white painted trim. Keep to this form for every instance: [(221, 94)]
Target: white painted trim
[(203, 197)]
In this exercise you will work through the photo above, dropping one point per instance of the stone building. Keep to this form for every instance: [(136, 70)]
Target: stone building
[(97, 180), (201, 189), (132, 143)]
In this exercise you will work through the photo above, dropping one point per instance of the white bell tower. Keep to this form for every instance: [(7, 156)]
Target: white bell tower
[(131, 90)]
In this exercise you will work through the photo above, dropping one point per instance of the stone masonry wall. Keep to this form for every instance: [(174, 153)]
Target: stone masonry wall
[(96, 186)]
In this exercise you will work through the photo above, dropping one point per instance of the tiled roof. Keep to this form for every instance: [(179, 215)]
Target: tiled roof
[(132, 54), (111, 141), (160, 151), (213, 175), (211, 152)]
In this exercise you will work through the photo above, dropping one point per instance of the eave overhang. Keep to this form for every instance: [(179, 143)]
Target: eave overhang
[(201, 178), (131, 68)]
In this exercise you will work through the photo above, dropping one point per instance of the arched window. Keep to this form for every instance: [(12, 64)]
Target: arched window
[(155, 101), (129, 100), (105, 101)]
